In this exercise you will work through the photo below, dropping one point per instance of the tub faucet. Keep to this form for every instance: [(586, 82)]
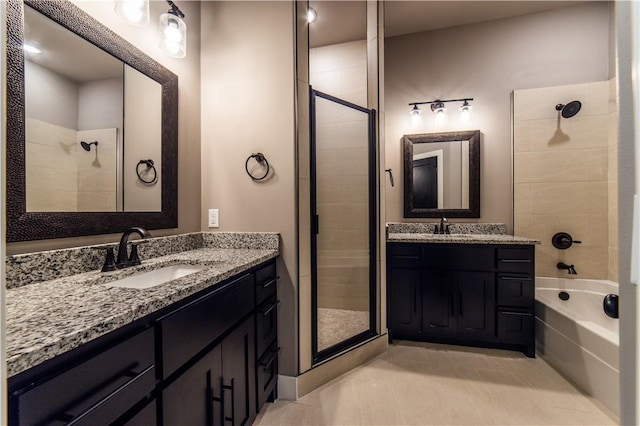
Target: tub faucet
[(569, 268), (125, 260)]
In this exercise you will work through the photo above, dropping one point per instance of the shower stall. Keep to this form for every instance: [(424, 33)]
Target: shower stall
[(343, 219)]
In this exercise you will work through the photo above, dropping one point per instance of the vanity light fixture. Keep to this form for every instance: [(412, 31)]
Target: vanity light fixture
[(173, 32), (438, 106), (312, 15), (135, 12)]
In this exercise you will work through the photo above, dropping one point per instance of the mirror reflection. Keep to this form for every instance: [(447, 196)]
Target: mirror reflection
[(441, 174), (76, 122)]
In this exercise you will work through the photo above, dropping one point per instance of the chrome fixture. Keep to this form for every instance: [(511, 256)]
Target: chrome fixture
[(443, 228), (569, 268), (570, 109), (438, 106), (124, 260)]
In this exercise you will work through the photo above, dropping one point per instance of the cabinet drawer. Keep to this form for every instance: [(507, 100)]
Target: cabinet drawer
[(404, 255), (458, 257), (515, 259), (193, 327), (267, 374), (515, 290), (515, 326), (266, 325), (96, 391), (266, 282)]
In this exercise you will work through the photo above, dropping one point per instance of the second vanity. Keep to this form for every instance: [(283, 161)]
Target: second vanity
[(474, 289), (200, 349)]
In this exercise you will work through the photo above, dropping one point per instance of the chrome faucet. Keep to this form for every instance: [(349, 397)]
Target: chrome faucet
[(443, 228), (125, 260), (569, 268)]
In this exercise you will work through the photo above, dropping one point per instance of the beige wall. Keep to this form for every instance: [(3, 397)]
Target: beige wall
[(487, 61), (188, 72), (562, 176), (612, 189), (247, 107)]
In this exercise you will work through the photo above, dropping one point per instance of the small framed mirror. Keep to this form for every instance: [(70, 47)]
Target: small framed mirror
[(442, 174)]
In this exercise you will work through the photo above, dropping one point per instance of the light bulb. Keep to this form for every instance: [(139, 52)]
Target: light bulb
[(416, 116), (135, 12), (465, 113), (312, 15), (173, 35), (441, 113)]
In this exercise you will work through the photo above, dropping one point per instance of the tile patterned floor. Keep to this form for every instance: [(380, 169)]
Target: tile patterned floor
[(336, 325), (429, 384)]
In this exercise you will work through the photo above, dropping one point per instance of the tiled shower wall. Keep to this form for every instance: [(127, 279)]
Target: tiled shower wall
[(342, 184), (564, 177), (63, 177)]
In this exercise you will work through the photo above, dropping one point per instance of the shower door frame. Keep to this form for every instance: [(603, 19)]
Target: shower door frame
[(325, 354)]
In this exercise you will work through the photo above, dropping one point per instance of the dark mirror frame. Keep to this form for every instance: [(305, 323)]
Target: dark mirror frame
[(25, 226), (473, 136)]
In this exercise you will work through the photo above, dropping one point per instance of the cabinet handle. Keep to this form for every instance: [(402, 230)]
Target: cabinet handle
[(453, 305), (514, 279), (233, 398), (212, 398), (415, 300), (268, 283), (406, 257), (515, 260), (520, 314), (267, 363), (72, 420), (460, 305), (270, 308)]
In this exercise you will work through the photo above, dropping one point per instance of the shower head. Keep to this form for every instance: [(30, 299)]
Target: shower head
[(570, 109), (87, 146)]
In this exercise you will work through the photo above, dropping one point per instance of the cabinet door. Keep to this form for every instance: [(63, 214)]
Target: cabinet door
[(438, 303), (193, 399), (238, 375), (404, 300), (476, 306)]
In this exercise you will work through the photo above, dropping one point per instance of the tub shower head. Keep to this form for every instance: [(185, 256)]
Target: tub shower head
[(570, 109), (87, 146)]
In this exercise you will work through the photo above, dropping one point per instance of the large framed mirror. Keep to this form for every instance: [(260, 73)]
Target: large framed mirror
[(82, 113), (442, 174)]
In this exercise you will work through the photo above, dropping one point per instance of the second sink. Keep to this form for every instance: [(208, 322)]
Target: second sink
[(156, 277)]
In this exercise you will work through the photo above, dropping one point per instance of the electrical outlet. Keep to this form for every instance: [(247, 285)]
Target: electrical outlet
[(213, 218)]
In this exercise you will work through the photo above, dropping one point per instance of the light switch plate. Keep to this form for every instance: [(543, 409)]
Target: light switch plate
[(213, 218)]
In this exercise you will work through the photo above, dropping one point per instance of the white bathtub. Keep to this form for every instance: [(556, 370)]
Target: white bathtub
[(577, 338)]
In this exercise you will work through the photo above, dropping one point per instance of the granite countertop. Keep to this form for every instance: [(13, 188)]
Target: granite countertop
[(48, 318), (459, 238)]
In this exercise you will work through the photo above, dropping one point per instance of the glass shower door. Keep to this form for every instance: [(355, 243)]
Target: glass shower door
[(343, 218)]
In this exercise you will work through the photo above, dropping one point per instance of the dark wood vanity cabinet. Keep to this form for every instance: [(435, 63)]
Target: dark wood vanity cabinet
[(210, 359), (478, 295)]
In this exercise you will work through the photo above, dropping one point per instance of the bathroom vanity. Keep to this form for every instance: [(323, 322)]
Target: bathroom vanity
[(201, 349), (467, 289)]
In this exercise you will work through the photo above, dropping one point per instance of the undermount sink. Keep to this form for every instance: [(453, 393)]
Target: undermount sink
[(156, 277)]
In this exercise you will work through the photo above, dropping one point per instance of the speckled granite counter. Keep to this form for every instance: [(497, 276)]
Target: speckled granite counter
[(460, 239), (45, 319), (461, 233)]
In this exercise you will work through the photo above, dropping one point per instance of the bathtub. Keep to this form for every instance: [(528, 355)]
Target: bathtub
[(577, 338)]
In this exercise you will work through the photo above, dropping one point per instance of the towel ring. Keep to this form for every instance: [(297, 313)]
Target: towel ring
[(261, 159), (150, 165)]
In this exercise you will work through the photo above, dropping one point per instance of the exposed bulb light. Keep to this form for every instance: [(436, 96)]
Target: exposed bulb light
[(416, 117), (465, 113), (441, 113), (173, 32), (312, 15), (136, 12), (30, 48)]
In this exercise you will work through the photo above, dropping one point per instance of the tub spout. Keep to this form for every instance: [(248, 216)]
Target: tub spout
[(569, 268)]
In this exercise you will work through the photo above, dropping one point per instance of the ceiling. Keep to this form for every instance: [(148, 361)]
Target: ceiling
[(340, 21)]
